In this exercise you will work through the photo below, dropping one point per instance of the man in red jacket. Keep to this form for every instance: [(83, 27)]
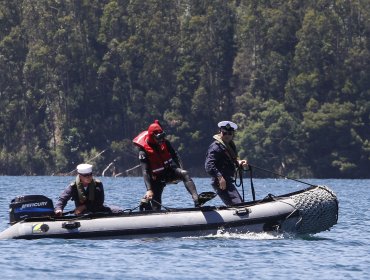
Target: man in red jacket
[(160, 165)]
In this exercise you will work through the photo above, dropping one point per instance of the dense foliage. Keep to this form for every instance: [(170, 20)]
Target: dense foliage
[(80, 78)]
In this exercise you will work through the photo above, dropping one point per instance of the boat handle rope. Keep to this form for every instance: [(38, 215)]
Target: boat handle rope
[(239, 173)]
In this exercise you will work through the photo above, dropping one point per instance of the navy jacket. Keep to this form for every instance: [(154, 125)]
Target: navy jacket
[(218, 162)]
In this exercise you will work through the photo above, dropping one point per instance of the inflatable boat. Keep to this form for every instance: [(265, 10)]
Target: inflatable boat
[(308, 211)]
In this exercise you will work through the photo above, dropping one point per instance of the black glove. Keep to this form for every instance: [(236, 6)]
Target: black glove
[(145, 205)]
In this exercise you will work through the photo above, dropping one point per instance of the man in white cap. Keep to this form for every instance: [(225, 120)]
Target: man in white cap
[(87, 193), (222, 161)]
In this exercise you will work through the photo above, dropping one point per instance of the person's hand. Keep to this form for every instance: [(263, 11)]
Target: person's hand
[(243, 163), (80, 209), (222, 183), (58, 212), (149, 195)]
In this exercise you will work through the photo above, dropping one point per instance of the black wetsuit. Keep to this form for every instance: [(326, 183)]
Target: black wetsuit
[(172, 172)]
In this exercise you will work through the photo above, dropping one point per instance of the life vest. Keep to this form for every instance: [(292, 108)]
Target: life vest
[(158, 158), (82, 197)]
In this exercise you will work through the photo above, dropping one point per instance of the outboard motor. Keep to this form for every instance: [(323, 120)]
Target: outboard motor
[(27, 206)]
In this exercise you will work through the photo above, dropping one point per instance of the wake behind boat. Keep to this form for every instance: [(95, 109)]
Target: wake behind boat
[(308, 211)]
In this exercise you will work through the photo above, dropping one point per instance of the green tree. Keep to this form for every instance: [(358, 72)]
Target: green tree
[(270, 139)]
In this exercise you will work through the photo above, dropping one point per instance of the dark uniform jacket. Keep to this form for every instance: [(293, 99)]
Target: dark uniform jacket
[(219, 162)]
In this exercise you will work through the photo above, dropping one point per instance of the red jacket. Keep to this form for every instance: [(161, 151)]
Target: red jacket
[(158, 158)]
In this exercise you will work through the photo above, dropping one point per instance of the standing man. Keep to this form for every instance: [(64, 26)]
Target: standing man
[(87, 193), (160, 165), (222, 163)]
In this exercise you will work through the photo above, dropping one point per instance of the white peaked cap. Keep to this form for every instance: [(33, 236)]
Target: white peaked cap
[(84, 168), (228, 125)]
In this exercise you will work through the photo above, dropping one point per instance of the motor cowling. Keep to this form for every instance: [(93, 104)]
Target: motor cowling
[(28, 206)]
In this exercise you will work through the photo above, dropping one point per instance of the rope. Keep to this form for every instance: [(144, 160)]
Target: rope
[(239, 173), (252, 186), (281, 175)]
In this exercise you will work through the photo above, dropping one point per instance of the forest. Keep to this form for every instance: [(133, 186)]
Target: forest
[(79, 79)]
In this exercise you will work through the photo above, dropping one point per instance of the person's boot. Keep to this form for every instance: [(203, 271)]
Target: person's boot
[(190, 186)]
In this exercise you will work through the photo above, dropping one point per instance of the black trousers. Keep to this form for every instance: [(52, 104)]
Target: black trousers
[(169, 176), (230, 195)]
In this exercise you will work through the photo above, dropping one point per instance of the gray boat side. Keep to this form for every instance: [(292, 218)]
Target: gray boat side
[(308, 211)]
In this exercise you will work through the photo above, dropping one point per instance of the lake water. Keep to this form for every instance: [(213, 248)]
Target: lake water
[(341, 253)]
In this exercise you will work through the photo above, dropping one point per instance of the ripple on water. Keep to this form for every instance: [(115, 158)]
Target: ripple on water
[(341, 253)]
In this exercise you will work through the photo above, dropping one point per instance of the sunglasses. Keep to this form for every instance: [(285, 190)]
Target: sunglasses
[(86, 175), (227, 132), (160, 136)]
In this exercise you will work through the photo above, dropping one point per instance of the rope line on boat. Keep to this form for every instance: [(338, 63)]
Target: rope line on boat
[(133, 209), (166, 208), (144, 203), (280, 199), (282, 175)]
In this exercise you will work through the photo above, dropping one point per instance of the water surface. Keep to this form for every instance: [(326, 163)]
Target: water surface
[(341, 253)]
